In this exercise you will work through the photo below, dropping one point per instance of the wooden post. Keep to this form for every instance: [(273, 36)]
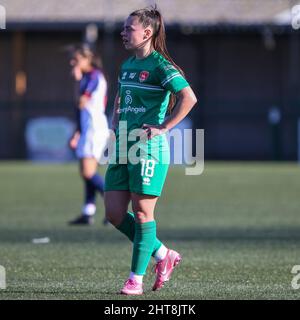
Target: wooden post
[(293, 77), (18, 91)]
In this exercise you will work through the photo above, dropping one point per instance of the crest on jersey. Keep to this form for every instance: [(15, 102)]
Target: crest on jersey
[(143, 76)]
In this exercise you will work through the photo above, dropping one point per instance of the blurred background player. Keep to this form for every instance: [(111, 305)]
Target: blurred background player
[(90, 138)]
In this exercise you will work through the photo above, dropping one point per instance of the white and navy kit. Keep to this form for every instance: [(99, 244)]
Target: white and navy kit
[(93, 122)]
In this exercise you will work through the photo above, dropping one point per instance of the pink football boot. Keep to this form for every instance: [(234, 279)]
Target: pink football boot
[(131, 287), (164, 268)]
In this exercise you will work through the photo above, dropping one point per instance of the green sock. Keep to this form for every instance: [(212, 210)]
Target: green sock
[(127, 227), (143, 246)]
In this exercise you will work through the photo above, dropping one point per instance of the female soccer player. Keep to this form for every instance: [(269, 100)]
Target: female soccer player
[(148, 83), (90, 138)]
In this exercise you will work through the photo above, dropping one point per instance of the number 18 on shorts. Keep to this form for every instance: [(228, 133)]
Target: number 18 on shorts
[(146, 177)]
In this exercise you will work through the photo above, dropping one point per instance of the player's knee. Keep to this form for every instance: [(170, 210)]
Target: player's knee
[(113, 217), (87, 174), (140, 217)]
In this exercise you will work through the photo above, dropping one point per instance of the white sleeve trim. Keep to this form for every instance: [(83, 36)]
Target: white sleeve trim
[(169, 78)]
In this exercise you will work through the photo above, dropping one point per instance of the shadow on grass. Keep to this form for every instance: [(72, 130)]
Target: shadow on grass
[(110, 235)]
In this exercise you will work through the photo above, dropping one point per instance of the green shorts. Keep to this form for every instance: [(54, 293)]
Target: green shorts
[(146, 177)]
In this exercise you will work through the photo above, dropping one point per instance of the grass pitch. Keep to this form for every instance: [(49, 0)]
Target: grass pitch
[(237, 227)]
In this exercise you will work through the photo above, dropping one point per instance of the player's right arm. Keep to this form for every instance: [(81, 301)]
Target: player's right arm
[(116, 111), (74, 140), (76, 135)]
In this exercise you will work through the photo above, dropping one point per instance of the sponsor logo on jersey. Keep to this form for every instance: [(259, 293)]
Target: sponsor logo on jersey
[(133, 109), (143, 76), (128, 97), (132, 75), (124, 75)]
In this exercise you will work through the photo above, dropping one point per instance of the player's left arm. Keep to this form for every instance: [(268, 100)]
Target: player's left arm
[(91, 87), (186, 99), (83, 100)]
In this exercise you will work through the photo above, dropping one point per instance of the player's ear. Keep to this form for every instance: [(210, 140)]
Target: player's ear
[(147, 33)]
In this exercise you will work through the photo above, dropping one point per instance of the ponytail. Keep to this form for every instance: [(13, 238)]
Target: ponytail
[(151, 16)]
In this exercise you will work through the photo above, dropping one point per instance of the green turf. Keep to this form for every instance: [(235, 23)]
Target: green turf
[(237, 227)]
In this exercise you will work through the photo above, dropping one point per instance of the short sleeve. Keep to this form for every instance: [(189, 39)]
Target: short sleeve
[(170, 78), (92, 84), (119, 78), (119, 84)]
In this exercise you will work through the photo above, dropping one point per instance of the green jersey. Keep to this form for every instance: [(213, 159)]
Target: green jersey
[(145, 86)]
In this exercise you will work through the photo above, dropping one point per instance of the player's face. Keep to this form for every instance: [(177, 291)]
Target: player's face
[(134, 35), (77, 73), (80, 62)]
